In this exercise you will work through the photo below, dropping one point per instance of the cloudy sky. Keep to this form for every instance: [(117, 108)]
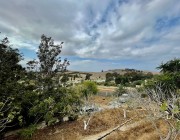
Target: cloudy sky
[(98, 34)]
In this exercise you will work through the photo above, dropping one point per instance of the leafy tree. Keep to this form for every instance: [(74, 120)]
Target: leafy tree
[(88, 76), (109, 77), (165, 83), (170, 66), (48, 55), (53, 101), (89, 88), (121, 79), (164, 88), (10, 88), (65, 78), (133, 76)]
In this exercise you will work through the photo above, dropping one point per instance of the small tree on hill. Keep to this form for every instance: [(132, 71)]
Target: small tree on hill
[(88, 76)]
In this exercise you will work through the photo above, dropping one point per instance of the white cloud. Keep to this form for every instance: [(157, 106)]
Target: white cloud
[(95, 29), (92, 65)]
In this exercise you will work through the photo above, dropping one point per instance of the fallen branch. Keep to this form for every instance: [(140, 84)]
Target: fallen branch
[(114, 129)]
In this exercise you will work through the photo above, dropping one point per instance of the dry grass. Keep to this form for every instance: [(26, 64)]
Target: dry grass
[(100, 121), (101, 100), (145, 131), (107, 89)]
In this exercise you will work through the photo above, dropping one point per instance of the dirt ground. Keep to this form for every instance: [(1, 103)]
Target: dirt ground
[(144, 131), (99, 122)]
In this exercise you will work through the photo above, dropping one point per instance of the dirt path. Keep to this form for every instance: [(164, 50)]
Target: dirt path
[(122, 127)]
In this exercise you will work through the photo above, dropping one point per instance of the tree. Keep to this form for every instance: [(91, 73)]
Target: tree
[(11, 72), (88, 76), (65, 78), (109, 77), (164, 90), (53, 101), (170, 66), (89, 88), (121, 79), (133, 76), (168, 101), (48, 55), (28, 97)]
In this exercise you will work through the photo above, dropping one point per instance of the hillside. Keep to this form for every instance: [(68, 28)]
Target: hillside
[(102, 75)]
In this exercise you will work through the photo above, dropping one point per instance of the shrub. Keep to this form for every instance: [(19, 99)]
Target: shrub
[(121, 90), (140, 89), (89, 88), (144, 95), (27, 133)]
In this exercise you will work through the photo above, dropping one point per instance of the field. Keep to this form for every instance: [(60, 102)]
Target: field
[(136, 126)]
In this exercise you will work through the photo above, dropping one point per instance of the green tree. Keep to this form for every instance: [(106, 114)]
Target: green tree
[(65, 78), (121, 79), (11, 72), (170, 66), (48, 55), (89, 88), (109, 77), (164, 88), (53, 101), (88, 76)]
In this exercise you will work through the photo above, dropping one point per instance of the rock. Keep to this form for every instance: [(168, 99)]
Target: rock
[(90, 108), (122, 100), (65, 119), (42, 125), (125, 95)]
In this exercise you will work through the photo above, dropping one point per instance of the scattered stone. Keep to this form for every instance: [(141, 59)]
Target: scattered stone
[(41, 125), (125, 95)]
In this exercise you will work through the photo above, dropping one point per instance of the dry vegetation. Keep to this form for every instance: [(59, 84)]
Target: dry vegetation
[(100, 122), (140, 128), (144, 131)]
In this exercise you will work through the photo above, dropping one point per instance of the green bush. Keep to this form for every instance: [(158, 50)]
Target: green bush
[(73, 117), (89, 88), (144, 95), (121, 90), (138, 82), (27, 133), (140, 89)]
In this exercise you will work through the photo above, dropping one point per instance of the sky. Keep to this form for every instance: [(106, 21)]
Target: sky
[(97, 34)]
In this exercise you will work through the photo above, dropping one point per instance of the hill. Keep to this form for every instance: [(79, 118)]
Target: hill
[(102, 75)]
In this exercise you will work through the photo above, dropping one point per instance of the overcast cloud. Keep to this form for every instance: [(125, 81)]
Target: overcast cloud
[(98, 34)]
